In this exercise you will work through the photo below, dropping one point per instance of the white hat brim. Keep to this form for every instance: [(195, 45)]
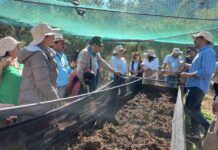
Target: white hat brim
[(194, 36), (116, 52), (178, 52), (37, 41), (21, 44), (146, 54)]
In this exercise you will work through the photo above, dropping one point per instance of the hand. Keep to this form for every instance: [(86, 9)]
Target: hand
[(117, 73), (186, 75), (5, 61)]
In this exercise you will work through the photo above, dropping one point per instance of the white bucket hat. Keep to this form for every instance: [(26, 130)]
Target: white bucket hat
[(177, 51), (40, 31), (59, 37), (8, 43), (205, 34), (150, 52), (118, 48)]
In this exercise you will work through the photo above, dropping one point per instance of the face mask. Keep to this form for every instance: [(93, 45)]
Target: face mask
[(150, 58)]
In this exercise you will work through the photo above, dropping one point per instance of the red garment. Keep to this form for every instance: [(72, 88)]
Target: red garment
[(73, 86)]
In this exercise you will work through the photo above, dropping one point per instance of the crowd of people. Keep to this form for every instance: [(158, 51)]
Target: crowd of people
[(41, 72)]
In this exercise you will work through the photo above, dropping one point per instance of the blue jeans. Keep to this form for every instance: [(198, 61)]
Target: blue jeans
[(193, 107), (171, 79)]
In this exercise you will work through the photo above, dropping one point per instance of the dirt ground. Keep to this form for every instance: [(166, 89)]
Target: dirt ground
[(144, 122)]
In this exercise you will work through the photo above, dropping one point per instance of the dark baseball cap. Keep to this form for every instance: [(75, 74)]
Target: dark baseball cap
[(190, 49), (96, 40)]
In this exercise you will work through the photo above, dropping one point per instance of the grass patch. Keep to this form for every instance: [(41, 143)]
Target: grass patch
[(208, 115)]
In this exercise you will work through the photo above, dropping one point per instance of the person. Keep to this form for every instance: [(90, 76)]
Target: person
[(64, 69), (191, 53), (198, 80), (215, 81), (135, 67), (39, 73), (118, 62), (150, 66), (10, 70), (85, 78), (172, 65)]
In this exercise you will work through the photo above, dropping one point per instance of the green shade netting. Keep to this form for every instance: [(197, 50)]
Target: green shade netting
[(118, 25)]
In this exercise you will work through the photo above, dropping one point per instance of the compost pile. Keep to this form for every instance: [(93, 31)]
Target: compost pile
[(144, 122)]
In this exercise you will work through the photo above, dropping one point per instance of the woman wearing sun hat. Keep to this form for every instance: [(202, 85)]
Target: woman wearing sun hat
[(10, 70)]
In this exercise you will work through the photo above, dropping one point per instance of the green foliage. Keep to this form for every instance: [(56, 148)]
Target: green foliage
[(207, 115)]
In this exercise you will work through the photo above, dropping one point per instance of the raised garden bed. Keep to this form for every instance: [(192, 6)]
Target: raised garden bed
[(144, 122)]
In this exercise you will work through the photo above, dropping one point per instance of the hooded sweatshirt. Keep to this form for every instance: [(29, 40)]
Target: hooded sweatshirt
[(38, 76)]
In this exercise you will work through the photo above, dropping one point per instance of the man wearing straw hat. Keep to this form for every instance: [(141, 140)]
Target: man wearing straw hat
[(198, 79), (64, 69), (39, 73)]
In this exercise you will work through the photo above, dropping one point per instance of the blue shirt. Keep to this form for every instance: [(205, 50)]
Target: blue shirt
[(64, 69), (173, 62), (119, 64), (204, 65)]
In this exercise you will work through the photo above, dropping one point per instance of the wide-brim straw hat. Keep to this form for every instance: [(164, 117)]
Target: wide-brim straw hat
[(8, 44), (150, 53), (59, 37), (205, 34), (118, 48), (177, 51), (40, 31)]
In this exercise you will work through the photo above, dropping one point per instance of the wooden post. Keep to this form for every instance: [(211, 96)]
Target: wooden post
[(138, 46)]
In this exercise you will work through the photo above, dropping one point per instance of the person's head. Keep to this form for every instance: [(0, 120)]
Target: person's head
[(150, 55), (118, 51), (9, 47), (203, 38), (192, 52), (137, 56), (59, 43), (43, 34), (176, 52), (96, 44)]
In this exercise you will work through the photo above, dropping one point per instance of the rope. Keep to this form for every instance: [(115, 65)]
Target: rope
[(86, 94), (68, 98), (118, 11)]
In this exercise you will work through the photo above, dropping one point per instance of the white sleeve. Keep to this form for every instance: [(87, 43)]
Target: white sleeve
[(130, 66), (144, 63), (156, 64), (113, 63), (166, 60)]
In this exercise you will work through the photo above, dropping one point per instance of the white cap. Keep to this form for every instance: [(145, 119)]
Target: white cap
[(177, 51), (7, 44), (40, 31), (150, 52), (118, 48), (205, 34)]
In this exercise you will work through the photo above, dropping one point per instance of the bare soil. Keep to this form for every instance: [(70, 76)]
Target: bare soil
[(144, 122)]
